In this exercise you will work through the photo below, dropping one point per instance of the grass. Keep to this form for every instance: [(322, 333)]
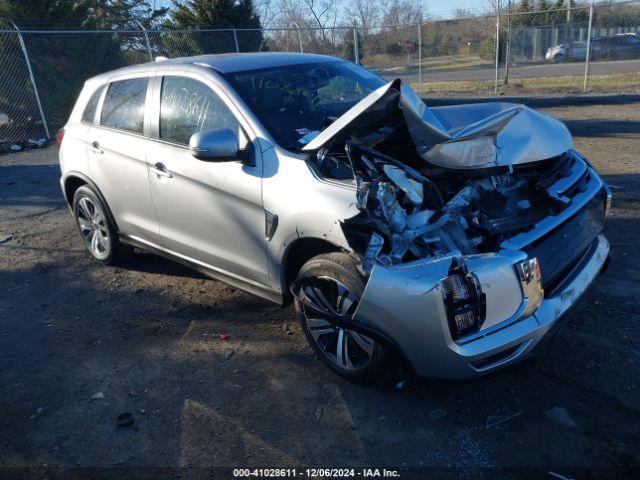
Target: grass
[(397, 63), (613, 83)]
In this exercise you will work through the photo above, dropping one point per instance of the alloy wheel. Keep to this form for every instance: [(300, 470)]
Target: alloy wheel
[(93, 227), (345, 348)]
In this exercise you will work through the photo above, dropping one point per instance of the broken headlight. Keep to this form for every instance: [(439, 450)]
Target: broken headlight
[(464, 302)]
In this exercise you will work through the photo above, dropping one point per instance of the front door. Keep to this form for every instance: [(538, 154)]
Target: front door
[(209, 211)]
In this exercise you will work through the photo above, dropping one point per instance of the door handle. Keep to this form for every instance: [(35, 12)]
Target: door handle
[(160, 170), (95, 148)]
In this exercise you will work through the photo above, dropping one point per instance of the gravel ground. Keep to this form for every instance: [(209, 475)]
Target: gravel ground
[(80, 343)]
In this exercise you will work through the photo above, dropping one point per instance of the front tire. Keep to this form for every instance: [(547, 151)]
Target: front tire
[(333, 281), (98, 233)]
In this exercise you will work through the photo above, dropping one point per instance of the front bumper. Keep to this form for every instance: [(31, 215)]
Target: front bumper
[(403, 304)]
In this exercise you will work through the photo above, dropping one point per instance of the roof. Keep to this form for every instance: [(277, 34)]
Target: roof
[(238, 62), (228, 62)]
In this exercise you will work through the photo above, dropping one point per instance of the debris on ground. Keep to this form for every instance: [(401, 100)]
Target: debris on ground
[(286, 329), (501, 416), (39, 143), (560, 477), (561, 415), (39, 411), (400, 385), (318, 413), (437, 413), (125, 419), (223, 336), (227, 353), (97, 396)]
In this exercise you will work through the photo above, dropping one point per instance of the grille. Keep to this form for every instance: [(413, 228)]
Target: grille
[(559, 250)]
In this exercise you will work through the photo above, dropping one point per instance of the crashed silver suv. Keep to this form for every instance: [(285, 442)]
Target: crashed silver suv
[(452, 239)]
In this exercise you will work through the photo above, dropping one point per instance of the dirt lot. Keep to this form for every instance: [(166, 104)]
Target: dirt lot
[(81, 343)]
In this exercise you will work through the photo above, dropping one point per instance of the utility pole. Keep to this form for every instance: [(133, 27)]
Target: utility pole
[(507, 52), (569, 31), (495, 84)]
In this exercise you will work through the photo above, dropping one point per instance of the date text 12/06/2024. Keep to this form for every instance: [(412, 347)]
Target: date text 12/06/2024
[(315, 473)]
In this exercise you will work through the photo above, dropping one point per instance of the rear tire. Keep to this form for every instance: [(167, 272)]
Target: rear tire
[(96, 229), (333, 279)]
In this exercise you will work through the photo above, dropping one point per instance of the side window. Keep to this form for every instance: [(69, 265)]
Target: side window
[(89, 114), (188, 106), (123, 105)]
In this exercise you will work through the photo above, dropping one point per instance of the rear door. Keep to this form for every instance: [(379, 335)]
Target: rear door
[(208, 211), (117, 149)]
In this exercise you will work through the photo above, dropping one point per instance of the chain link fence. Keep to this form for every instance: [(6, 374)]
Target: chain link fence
[(581, 49)]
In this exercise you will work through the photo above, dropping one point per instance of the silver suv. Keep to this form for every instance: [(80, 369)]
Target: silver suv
[(451, 239)]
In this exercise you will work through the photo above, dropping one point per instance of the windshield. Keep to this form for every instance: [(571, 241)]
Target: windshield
[(296, 102)]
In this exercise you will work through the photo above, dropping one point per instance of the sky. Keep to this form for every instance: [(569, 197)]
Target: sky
[(444, 7), (434, 7)]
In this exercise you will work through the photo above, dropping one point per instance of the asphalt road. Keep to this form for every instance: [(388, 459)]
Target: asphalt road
[(523, 71)]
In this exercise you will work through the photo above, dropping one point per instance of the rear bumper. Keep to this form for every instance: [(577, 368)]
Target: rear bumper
[(403, 304)]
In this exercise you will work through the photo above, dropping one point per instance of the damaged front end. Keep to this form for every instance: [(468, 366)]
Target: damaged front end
[(470, 219)]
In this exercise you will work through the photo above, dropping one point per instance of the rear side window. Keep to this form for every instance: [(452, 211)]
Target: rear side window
[(123, 106), (89, 114), (188, 106)]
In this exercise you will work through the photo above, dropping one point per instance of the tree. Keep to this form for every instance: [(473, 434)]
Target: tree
[(107, 14), (212, 14), (366, 13), (62, 62), (524, 6)]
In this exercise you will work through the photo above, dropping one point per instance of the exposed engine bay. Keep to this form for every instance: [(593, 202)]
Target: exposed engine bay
[(425, 191), (407, 215)]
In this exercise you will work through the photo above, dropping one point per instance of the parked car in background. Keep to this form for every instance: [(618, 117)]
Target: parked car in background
[(622, 46), (451, 239), (567, 52)]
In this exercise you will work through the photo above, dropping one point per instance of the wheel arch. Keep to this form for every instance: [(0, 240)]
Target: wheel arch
[(74, 180), (296, 255)]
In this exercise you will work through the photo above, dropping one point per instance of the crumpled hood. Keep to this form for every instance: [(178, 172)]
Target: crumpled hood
[(479, 135)]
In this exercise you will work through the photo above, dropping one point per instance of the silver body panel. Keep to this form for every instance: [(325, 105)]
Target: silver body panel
[(407, 301), (215, 216)]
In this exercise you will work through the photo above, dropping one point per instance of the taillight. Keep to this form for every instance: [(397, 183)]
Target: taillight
[(464, 302), (59, 136)]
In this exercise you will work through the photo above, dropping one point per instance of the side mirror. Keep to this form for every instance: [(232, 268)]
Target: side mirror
[(216, 145)]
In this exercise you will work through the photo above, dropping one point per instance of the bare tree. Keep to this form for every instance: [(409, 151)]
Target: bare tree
[(403, 12), (366, 13)]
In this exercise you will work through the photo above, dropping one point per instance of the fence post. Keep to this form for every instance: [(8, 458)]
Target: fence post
[(420, 55), (299, 36), (507, 53), (235, 40), (588, 54), (356, 43), (146, 37), (33, 80), (495, 84)]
